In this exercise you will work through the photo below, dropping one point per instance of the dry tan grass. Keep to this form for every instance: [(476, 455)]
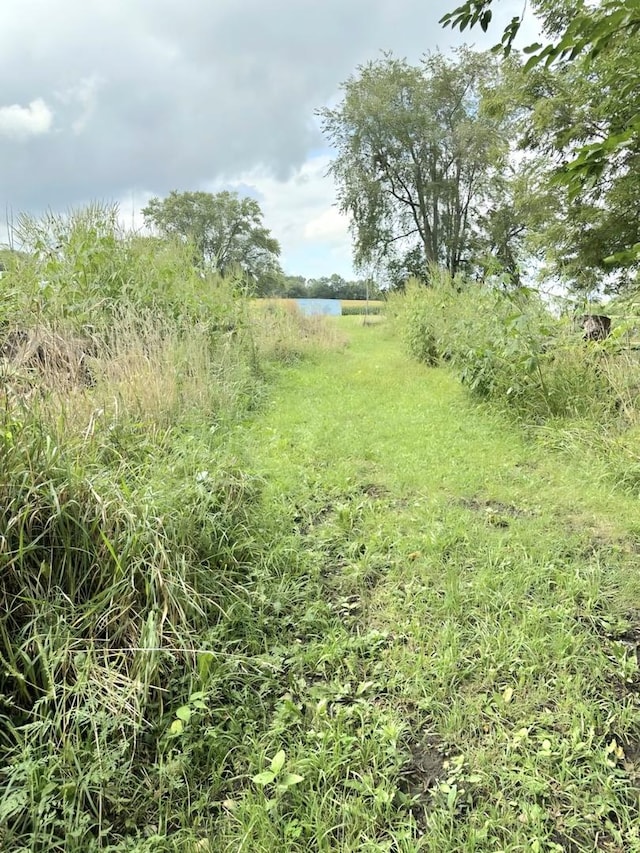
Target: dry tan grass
[(146, 369), (283, 332), (362, 303)]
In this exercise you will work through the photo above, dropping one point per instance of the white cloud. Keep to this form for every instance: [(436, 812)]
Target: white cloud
[(161, 95), (21, 122), (301, 214), (330, 226), (157, 95), (82, 96)]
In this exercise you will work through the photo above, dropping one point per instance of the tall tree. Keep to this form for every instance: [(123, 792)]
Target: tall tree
[(415, 154), (574, 113), (226, 231)]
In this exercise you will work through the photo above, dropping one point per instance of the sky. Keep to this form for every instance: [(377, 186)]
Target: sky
[(121, 100)]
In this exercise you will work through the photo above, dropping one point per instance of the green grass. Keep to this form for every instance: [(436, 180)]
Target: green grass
[(362, 306), (463, 670), (365, 616)]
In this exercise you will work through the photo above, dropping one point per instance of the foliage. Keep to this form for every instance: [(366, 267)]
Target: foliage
[(415, 157), (418, 326), (83, 268), (325, 287), (589, 36), (583, 29), (335, 287), (136, 555), (225, 230), (507, 347), (585, 235)]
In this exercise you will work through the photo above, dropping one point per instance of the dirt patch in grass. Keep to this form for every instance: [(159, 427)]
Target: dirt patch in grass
[(565, 843), (424, 768), (603, 841), (600, 537), (374, 490), (496, 508), (305, 522), (631, 763), (321, 507), (629, 759)]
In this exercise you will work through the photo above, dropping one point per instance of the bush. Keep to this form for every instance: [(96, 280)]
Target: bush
[(506, 347)]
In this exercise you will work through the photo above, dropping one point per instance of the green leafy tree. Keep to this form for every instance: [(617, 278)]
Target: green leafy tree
[(226, 231), (292, 286), (591, 231), (580, 224), (577, 30), (583, 235), (415, 157)]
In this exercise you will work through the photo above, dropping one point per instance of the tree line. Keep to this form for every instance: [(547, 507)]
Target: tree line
[(227, 234)]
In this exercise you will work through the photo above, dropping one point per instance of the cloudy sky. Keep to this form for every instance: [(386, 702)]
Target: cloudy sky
[(121, 100)]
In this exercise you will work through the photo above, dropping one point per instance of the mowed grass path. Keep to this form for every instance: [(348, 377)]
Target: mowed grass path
[(464, 673)]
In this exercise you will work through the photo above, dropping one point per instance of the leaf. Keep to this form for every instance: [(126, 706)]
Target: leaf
[(177, 727), (204, 665), (278, 762), (13, 804), (485, 20), (290, 779), (264, 778), (184, 713)]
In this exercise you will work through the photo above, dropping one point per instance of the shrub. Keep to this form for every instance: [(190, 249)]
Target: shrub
[(506, 347)]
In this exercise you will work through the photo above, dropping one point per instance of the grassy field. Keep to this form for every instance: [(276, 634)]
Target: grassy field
[(349, 306), (269, 585), (462, 669)]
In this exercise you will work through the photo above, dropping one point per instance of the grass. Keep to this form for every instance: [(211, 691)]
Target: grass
[(360, 306), (466, 677), (367, 615), (137, 569), (348, 306)]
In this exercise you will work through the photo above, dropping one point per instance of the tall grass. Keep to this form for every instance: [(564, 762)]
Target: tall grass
[(132, 538), (286, 334), (509, 349)]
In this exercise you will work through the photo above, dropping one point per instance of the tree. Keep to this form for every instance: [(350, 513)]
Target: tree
[(577, 30), (591, 229), (415, 157), (292, 287), (579, 129), (226, 231)]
